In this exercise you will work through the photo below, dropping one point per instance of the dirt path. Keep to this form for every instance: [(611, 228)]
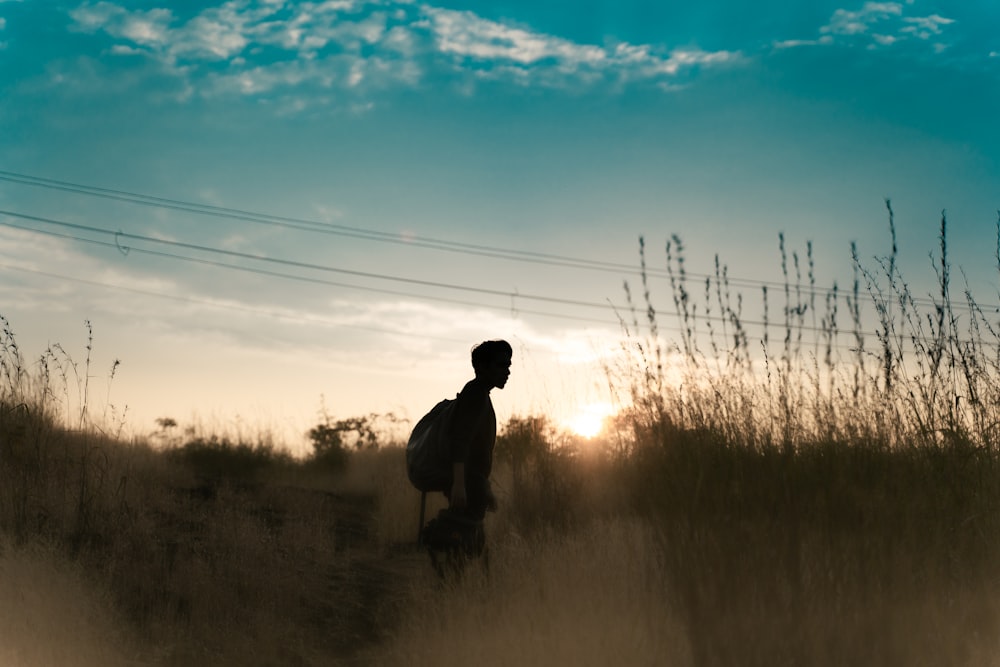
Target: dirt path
[(367, 589), (343, 589)]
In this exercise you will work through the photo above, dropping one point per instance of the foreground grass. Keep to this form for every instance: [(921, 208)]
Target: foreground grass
[(717, 556), (51, 613), (593, 596), (188, 562), (834, 555), (689, 550), (830, 554)]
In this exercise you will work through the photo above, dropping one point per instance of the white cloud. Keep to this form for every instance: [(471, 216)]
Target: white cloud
[(356, 75), (846, 22), (222, 38), (363, 45), (683, 58), (342, 71), (927, 26), (466, 35), (402, 40), (332, 5), (125, 50), (3, 23), (91, 18), (875, 25), (529, 58), (145, 28), (149, 29), (794, 43), (34, 254), (223, 33), (18, 245)]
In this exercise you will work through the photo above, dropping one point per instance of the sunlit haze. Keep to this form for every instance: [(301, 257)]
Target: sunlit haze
[(589, 420), (268, 209)]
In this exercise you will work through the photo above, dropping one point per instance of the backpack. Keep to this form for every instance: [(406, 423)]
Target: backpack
[(428, 463)]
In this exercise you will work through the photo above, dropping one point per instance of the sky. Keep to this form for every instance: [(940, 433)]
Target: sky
[(268, 209)]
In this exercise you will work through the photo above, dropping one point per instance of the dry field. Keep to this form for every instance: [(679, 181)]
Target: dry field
[(832, 500)]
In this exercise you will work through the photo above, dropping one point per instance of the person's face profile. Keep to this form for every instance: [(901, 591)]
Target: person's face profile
[(498, 372)]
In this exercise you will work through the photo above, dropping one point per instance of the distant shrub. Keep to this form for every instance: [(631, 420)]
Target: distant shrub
[(329, 451), (219, 458), (545, 480), (334, 439)]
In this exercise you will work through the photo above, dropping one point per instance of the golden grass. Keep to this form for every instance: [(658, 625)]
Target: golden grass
[(591, 597), (200, 570), (52, 614)]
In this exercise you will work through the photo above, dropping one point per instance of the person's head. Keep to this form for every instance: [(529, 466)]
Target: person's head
[(491, 361)]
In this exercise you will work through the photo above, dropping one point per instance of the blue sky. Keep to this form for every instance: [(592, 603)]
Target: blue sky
[(558, 128)]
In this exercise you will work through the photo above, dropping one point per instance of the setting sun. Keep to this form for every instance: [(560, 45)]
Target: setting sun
[(589, 420)]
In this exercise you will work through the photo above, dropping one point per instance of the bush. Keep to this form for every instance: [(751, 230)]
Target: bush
[(218, 458)]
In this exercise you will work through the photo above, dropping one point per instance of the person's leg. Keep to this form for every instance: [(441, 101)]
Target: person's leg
[(477, 492)]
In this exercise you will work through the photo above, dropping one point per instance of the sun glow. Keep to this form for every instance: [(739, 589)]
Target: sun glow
[(589, 420)]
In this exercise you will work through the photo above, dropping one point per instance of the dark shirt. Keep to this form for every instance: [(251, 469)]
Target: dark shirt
[(473, 432)]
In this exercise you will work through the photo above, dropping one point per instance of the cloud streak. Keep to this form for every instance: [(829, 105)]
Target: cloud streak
[(877, 25), (258, 47)]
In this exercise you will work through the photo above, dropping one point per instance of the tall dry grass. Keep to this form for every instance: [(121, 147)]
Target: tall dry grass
[(589, 597), (873, 363), (218, 552), (821, 503), (819, 488)]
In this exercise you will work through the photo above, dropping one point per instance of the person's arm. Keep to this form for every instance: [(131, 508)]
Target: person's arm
[(458, 499)]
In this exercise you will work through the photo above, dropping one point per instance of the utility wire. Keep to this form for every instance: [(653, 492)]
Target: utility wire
[(394, 238), (305, 279), (319, 227), (268, 313), (315, 320), (229, 305), (717, 319), (119, 235)]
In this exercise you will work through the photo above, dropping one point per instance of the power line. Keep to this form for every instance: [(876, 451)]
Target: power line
[(119, 235), (319, 227), (303, 319), (617, 309), (243, 308), (300, 224), (720, 321), (228, 306), (306, 279)]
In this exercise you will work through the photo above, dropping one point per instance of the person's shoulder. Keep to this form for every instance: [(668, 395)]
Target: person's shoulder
[(474, 390)]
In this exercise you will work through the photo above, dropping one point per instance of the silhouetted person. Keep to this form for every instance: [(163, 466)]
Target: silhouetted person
[(473, 432), (469, 438)]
